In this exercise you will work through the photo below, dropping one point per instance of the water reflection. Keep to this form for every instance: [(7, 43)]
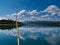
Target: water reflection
[(4, 27), (42, 35), (36, 35)]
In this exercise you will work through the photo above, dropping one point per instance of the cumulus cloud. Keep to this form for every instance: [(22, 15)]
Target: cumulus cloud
[(59, 13), (46, 15), (51, 8), (2, 18), (22, 12), (33, 12), (39, 18), (50, 13), (10, 16), (54, 13)]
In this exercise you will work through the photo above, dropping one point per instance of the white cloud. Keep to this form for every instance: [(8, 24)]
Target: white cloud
[(59, 13), (34, 15), (11, 16), (39, 18), (51, 8), (2, 18), (22, 12), (52, 14), (33, 12), (46, 15)]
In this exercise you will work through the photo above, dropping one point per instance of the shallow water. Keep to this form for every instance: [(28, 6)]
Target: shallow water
[(31, 35)]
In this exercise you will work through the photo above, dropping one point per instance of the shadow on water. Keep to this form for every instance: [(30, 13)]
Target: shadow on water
[(4, 27)]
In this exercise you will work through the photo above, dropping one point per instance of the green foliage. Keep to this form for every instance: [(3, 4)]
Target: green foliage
[(9, 24)]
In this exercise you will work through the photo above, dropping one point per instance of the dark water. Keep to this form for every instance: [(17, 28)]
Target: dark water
[(31, 35)]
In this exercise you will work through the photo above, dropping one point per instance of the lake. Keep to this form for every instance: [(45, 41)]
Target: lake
[(31, 35)]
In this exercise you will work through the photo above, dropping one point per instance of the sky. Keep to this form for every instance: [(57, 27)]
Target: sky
[(31, 10)]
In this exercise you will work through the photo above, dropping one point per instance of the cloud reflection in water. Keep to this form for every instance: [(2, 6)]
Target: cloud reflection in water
[(50, 34)]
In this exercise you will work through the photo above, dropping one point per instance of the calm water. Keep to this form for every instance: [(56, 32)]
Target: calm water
[(31, 35)]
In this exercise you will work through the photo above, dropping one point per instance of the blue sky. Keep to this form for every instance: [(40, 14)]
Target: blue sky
[(13, 6), (10, 6)]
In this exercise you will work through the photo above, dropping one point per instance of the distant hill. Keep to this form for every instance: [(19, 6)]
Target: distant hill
[(9, 23), (42, 23)]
